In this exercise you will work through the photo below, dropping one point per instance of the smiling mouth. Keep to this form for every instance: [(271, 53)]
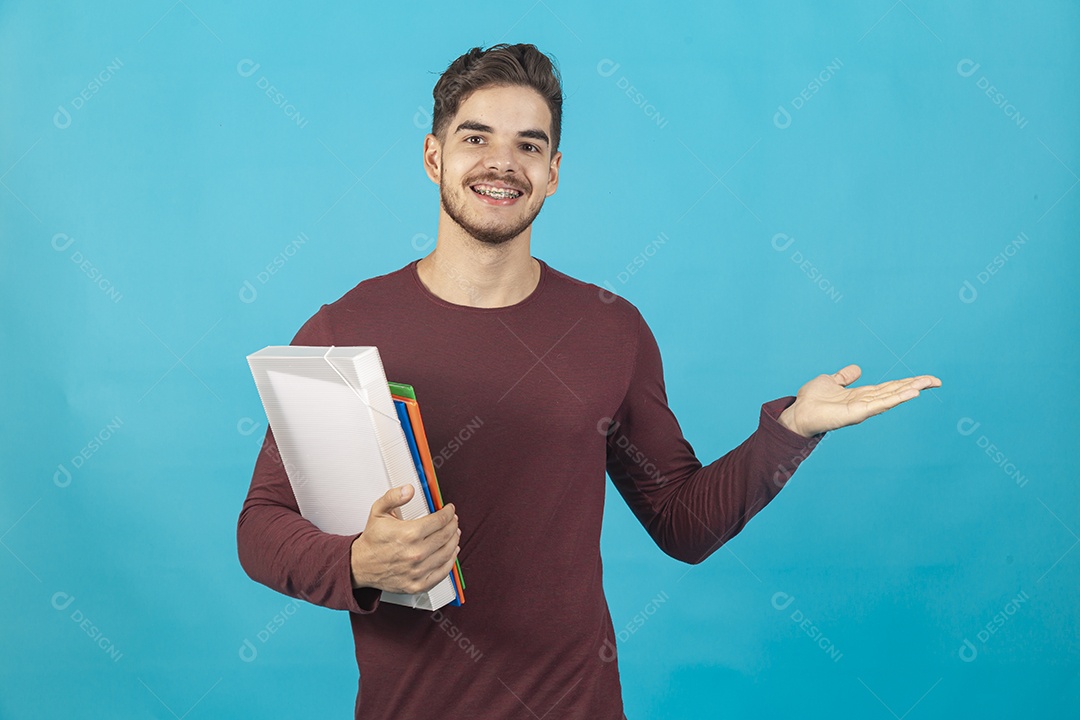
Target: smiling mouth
[(495, 192)]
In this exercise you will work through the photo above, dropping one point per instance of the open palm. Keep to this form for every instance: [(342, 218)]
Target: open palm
[(827, 403)]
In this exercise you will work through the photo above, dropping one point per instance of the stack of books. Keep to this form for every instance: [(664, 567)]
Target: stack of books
[(346, 436), (412, 424)]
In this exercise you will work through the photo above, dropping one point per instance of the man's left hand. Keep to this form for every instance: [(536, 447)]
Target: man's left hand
[(827, 403)]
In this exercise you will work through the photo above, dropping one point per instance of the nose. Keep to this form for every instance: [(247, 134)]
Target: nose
[(500, 157)]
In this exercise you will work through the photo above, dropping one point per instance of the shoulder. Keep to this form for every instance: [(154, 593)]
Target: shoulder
[(385, 286), (603, 305), (361, 301)]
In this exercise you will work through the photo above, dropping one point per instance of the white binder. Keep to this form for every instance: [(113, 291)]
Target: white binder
[(340, 440)]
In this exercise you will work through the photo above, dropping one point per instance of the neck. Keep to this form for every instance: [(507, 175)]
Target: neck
[(464, 271)]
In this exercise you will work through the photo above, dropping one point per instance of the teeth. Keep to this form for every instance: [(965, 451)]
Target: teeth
[(498, 193)]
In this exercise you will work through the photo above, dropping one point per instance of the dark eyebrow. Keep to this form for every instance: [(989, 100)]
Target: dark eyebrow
[(533, 134)]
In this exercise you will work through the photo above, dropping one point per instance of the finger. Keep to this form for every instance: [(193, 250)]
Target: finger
[(878, 405), (443, 538), (923, 382), (877, 393), (432, 558), (920, 382), (873, 391), (438, 540), (425, 527), (441, 571), (392, 498), (847, 375)]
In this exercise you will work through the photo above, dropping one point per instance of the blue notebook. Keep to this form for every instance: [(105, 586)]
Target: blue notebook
[(406, 425)]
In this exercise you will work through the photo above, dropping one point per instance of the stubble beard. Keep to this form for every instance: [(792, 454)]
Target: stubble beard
[(491, 234)]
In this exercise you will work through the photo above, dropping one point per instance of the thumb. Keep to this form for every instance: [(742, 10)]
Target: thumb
[(392, 498), (848, 375)]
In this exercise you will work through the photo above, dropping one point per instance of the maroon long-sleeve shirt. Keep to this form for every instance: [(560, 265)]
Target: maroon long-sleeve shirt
[(525, 407)]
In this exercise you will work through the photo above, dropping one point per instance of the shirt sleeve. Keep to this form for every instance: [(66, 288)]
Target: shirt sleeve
[(690, 510), (280, 548)]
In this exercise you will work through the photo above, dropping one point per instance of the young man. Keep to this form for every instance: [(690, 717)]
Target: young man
[(533, 385)]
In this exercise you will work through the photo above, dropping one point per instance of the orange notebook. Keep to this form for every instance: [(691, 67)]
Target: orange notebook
[(406, 394)]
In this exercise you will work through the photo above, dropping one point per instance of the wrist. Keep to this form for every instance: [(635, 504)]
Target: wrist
[(787, 420), (356, 573)]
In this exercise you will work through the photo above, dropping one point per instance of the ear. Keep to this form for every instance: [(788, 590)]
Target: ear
[(553, 174), (432, 157)]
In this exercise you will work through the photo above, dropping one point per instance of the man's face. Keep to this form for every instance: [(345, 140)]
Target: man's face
[(495, 168)]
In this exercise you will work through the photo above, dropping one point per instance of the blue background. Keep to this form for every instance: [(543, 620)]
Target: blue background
[(162, 217)]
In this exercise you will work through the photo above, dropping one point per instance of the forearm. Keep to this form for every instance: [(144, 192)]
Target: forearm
[(693, 512), (279, 548)]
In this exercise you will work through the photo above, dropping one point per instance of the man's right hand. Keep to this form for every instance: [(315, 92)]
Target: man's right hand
[(404, 556)]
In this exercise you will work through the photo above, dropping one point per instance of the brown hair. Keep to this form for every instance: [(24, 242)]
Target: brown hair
[(501, 64)]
